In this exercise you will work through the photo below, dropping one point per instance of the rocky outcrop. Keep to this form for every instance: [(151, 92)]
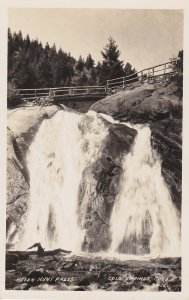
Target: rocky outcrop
[(17, 186), (166, 139), (159, 107), (144, 104), (100, 180), (100, 185), (79, 273), (152, 104), (23, 124)]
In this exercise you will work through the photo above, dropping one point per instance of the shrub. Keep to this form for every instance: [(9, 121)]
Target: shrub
[(178, 77), (13, 96)]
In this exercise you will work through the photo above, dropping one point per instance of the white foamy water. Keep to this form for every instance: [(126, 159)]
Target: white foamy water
[(63, 147), (144, 218)]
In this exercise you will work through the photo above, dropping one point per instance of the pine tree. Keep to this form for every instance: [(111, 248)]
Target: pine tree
[(27, 42), (82, 80), (30, 65), (178, 77), (93, 77), (43, 72), (10, 51), (18, 39), (128, 71), (89, 64), (47, 48), (112, 66), (80, 64)]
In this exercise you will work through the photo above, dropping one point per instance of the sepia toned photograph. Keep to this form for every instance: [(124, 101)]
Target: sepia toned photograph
[(94, 149)]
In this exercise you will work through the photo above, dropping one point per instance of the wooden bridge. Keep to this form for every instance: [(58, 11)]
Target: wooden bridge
[(98, 92), (150, 75), (65, 93)]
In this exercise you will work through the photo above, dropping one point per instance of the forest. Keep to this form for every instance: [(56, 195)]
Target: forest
[(32, 65)]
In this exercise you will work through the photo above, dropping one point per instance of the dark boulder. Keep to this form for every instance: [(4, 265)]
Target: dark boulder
[(12, 258)]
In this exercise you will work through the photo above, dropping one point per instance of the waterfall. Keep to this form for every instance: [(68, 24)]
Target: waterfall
[(144, 219), (63, 147)]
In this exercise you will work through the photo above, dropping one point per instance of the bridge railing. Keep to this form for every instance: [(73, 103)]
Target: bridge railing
[(112, 85), (145, 74), (60, 92)]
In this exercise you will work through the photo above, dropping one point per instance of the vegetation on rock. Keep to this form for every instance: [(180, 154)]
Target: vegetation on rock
[(13, 96), (178, 77)]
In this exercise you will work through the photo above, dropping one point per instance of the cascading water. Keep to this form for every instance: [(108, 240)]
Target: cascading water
[(144, 219), (63, 147)]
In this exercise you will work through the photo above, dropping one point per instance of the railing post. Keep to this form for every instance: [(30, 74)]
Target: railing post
[(173, 64), (141, 76), (164, 68), (35, 93), (107, 84), (123, 82), (148, 73), (153, 72)]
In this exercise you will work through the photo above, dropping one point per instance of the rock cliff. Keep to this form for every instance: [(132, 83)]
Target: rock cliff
[(152, 104), (159, 107), (100, 185), (23, 124)]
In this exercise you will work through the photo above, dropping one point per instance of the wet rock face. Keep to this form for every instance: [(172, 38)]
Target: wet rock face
[(100, 185), (17, 186), (159, 107), (22, 127), (166, 139)]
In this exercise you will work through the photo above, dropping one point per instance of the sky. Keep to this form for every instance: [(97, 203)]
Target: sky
[(144, 37)]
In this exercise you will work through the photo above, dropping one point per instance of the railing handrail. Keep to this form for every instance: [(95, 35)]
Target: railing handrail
[(146, 69), (111, 83), (65, 87)]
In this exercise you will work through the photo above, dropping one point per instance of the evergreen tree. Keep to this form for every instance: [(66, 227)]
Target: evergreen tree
[(128, 71), (47, 48), (18, 39), (111, 67), (10, 51), (93, 77), (80, 64), (30, 65), (27, 42), (62, 70), (21, 75), (43, 71), (178, 77), (89, 64), (82, 80), (99, 73)]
